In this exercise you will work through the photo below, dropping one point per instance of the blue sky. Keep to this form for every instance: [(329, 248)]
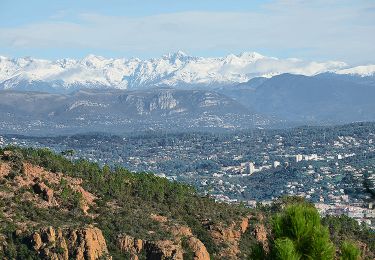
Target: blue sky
[(314, 30)]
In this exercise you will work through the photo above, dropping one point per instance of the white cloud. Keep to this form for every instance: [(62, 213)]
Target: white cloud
[(339, 29)]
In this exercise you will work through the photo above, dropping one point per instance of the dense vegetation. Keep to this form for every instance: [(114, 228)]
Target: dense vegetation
[(294, 228)]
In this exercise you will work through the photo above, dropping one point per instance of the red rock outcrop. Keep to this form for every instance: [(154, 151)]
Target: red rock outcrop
[(81, 244), (164, 249), (46, 192), (130, 245), (199, 249), (37, 178), (229, 235), (4, 169), (261, 236), (179, 232)]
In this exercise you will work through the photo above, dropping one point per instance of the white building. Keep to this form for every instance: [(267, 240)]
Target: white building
[(250, 168), (276, 164)]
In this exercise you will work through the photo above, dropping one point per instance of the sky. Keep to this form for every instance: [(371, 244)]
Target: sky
[(318, 30)]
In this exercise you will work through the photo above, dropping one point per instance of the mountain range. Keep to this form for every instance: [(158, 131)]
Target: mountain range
[(172, 70), (180, 92), (325, 98), (120, 111)]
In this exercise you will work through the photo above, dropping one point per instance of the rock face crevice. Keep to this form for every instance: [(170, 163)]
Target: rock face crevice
[(81, 244)]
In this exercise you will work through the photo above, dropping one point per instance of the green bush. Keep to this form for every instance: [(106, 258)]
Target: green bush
[(343, 228), (349, 251), (16, 162)]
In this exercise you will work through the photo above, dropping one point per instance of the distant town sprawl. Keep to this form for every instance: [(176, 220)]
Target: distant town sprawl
[(333, 167)]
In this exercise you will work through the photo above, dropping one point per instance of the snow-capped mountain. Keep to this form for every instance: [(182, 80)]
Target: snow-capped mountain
[(362, 71), (177, 69)]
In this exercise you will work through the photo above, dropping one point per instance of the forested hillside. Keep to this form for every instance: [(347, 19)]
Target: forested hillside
[(55, 208)]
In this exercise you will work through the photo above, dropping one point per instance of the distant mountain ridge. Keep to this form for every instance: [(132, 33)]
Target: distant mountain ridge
[(120, 111), (180, 92), (324, 98), (281, 101), (172, 70)]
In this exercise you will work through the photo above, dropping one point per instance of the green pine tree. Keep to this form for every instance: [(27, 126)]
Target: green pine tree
[(299, 234)]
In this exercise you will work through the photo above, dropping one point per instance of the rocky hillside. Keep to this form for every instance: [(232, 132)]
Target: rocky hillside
[(52, 208), (119, 111)]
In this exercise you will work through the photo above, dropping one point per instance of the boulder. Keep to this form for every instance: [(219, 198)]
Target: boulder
[(7, 155), (46, 192), (163, 250)]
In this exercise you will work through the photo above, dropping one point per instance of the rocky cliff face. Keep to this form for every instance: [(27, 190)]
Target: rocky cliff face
[(260, 233), (89, 243), (164, 249), (130, 245), (86, 243), (229, 235)]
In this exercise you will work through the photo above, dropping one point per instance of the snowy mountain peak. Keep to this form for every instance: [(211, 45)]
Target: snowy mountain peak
[(179, 55), (362, 71), (174, 69), (94, 61), (250, 55), (92, 57)]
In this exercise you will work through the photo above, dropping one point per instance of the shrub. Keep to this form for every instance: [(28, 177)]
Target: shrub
[(16, 163), (349, 251)]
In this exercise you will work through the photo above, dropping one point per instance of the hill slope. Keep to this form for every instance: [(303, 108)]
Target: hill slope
[(95, 212), (52, 208)]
